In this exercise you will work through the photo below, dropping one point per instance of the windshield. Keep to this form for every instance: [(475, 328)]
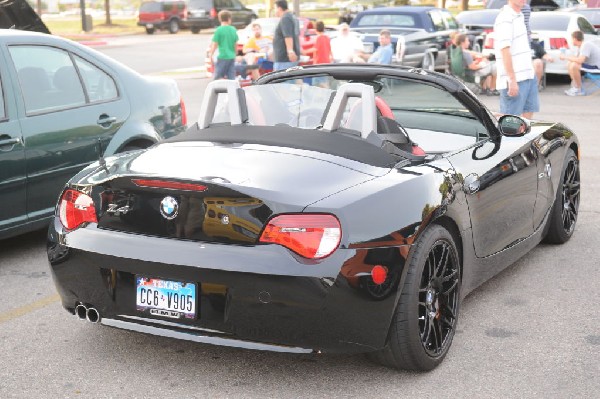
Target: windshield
[(428, 113), (387, 20), (549, 21)]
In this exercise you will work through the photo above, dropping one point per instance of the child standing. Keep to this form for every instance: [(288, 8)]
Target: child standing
[(322, 51), (225, 39)]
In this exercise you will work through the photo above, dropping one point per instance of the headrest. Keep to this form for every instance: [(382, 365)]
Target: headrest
[(367, 110), (236, 103)]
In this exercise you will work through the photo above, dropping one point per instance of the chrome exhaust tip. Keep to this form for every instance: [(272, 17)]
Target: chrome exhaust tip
[(81, 311), (92, 315)]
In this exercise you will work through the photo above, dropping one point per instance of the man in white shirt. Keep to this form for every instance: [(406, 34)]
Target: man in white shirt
[(587, 59), (516, 79), (346, 47)]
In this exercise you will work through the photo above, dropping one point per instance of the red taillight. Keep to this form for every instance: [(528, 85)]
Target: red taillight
[(312, 236), (75, 209), (558, 43), (213, 13), (489, 42), (183, 112), (170, 185)]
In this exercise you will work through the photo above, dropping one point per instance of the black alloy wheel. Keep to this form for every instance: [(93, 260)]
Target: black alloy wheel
[(425, 320), (566, 204), (438, 298), (570, 196)]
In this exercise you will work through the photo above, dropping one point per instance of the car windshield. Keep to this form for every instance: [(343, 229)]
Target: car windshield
[(549, 21), (387, 20), (428, 113)]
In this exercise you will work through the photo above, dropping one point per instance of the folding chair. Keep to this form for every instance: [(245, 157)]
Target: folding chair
[(593, 77), (458, 70)]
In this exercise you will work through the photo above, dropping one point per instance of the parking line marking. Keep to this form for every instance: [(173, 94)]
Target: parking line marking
[(23, 310)]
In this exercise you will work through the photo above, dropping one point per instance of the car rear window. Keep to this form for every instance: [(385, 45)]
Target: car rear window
[(548, 21), (200, 4), (388, 20), (151, 6)]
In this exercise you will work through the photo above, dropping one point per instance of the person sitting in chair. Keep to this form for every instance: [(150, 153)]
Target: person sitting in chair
[(588, 58), (478, 65), (257, 49)]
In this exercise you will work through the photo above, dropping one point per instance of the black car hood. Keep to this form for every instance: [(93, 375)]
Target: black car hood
[(18, 14)]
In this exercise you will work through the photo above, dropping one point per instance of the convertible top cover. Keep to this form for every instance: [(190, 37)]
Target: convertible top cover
[(345, 145)]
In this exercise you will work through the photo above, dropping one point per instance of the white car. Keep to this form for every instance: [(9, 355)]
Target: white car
[(554, 29)]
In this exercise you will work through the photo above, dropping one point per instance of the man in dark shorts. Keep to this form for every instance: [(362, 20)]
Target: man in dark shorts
[(286, 41)]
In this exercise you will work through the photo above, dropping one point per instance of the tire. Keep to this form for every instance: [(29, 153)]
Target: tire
[(173, 26), (150, 31), (428, 62), (195, 30), (425, 318), (566, 204)]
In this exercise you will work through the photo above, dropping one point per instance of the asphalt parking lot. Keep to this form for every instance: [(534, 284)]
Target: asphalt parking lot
[(533, 331)]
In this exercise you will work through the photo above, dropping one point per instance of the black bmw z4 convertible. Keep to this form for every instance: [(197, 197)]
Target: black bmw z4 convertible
[(334, 208)]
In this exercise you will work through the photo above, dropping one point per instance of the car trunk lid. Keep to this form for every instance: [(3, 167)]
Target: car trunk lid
[(216, 193)]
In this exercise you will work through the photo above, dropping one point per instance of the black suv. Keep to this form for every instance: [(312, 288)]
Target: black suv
[(202, 14)]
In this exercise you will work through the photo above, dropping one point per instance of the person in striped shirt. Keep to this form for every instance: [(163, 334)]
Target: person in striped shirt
[(516, 78)]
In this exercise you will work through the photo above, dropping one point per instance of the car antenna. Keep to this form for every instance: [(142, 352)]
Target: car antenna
[(100, 156)]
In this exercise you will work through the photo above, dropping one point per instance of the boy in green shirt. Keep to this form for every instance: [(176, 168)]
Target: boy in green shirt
[(225, 38)]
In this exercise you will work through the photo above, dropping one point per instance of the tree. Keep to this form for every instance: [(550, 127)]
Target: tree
[(107, 11)]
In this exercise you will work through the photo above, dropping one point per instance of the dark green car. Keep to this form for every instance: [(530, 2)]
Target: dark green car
[(62, 105)]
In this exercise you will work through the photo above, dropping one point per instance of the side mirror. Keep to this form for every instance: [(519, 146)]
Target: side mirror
[(513, 126)]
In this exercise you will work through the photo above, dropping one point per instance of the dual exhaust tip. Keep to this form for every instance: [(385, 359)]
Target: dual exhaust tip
[(90, 314)]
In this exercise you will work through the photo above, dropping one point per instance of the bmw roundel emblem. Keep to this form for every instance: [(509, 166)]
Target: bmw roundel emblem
[(169, 208)]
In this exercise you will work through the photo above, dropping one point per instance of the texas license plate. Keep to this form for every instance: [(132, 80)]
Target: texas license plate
[(149, 26), (173, 299)]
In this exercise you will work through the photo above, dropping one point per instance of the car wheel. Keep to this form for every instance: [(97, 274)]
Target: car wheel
[(149, 31), (195, 30), (566, 204), (428, 62), (425, 320), (173, 26)]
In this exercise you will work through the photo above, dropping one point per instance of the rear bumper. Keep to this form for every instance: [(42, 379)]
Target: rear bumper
[(257, 297), (201, 23)]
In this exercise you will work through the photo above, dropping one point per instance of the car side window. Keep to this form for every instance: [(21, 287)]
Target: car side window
[(47, 77), (98, 84), (236, 5), (433, 117), (437, 21), (450, 21), (585, 26)]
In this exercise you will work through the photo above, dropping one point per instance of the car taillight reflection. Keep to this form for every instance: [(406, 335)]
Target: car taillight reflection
[(313, 236), (75, 209), (183, 112)]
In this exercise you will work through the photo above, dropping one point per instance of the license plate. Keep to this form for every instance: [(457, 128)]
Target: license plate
[(149, 26), (368, 47), (173, 299)]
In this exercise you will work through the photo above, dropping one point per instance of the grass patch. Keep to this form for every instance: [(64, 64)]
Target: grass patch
[(72, 26)]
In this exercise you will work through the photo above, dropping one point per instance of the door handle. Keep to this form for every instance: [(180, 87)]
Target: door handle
[(11, 141), (471, 184), (106, 121)]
